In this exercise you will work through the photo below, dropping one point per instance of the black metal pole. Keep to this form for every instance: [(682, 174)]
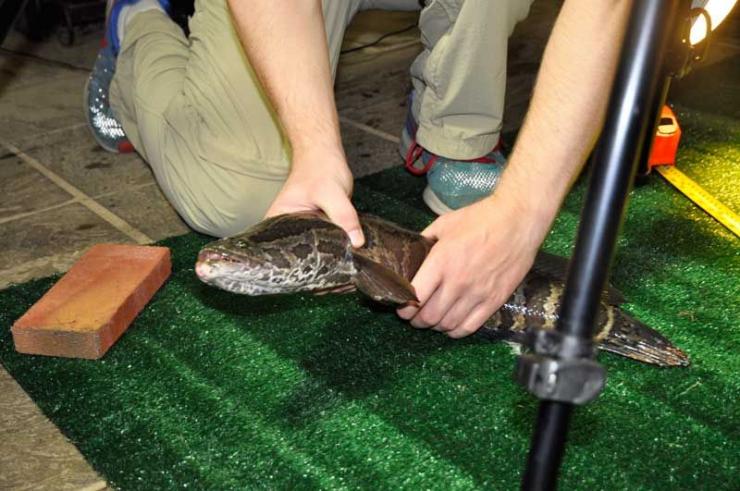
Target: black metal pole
[(656, 106), (548, 444), (651, 25)]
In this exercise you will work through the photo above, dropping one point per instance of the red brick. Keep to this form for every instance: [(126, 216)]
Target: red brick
[(91, 306)]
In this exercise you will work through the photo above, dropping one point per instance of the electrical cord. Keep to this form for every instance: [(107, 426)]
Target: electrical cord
[(373, 43)]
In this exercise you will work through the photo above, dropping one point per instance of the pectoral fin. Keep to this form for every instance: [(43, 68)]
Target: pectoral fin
[(382, 284)]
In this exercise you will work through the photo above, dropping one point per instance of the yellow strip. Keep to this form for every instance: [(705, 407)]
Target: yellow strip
[(701, 198)]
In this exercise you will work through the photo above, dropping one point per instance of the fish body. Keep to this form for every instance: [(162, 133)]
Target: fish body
[(302, 252)]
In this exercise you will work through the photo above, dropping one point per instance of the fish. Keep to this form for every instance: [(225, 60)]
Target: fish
[(306, 252)]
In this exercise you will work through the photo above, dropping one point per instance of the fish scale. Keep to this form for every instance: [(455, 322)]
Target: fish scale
[(305, 252)]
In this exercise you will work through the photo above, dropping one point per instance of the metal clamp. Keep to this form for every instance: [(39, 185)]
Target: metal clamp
[(561, 368)]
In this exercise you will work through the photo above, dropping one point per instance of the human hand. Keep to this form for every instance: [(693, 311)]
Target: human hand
[(320, 180), (482, 253)]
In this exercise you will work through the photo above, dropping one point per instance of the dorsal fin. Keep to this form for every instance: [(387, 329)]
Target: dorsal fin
[(380, 283), (556, 268)]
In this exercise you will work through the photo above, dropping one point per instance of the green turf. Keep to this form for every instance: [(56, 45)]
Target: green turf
[(216, 391)]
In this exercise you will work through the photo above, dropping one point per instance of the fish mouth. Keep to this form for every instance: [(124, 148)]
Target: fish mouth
[(212, 264), (235, 274), (207, 255)]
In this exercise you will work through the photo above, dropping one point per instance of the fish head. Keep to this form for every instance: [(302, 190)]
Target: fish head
[(284, 254)]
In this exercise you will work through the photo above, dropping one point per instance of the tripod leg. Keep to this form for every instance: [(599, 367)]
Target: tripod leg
[(630, 118)]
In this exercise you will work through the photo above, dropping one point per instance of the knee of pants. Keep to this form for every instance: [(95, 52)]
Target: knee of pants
[(226, 227), (224, 215)]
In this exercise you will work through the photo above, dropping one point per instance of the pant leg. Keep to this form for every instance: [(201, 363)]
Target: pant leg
[(460, 77), (149, 74), (197, 113)]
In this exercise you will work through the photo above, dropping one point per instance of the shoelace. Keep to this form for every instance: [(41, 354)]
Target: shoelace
[(415, 152)]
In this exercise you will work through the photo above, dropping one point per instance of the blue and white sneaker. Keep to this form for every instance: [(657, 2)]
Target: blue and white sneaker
[(451, 184), (105, 127)]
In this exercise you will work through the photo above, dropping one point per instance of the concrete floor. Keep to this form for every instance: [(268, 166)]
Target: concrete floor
[(60, 193)]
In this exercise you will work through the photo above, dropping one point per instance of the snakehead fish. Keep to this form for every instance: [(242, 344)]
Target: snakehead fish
[(301, 252)]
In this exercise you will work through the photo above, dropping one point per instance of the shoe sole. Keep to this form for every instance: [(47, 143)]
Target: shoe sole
[(434, 203)]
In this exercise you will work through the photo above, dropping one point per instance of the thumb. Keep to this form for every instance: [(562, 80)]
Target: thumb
[(434, 229), (344, 215)]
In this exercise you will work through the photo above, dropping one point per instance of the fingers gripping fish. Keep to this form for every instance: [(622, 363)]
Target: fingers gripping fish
[(302, 252)]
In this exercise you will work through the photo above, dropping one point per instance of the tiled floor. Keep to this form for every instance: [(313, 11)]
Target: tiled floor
[(60, 193), (34, 454)]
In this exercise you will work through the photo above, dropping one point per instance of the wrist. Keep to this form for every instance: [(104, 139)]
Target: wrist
[(326, 156), (314, 133), (533, 197), (528, 221), (309, 143), (320, 163)]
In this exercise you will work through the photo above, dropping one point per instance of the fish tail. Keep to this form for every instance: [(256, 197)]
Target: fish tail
[(633, 339)]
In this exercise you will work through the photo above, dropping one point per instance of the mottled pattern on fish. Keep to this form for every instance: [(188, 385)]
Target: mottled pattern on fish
[(293, 255), (305, 252)]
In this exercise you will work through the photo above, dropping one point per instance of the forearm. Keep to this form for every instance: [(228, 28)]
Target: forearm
[(567, 109), (286, 44)]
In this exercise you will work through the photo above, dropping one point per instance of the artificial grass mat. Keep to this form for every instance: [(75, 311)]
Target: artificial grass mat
[(211, 390)]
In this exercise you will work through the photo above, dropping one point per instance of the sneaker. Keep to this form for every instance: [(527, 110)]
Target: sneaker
[(451, 184), (105, 127)]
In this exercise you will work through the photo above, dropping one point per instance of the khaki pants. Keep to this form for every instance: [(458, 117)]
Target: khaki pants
[(193, 108)]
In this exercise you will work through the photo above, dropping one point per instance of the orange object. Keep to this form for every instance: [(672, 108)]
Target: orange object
[(665, 143), (92, 305)]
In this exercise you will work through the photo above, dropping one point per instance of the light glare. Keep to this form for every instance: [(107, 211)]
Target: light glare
[(717, 9)]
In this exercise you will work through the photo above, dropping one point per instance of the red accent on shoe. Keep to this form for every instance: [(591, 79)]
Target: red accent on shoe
[(125, 147), (415, 152)]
